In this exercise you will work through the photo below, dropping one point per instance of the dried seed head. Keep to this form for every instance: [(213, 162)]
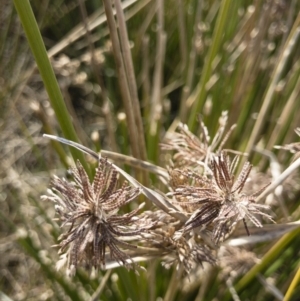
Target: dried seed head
[(235, 261), (187, 253), (192, 151), (219, 201), (171, 245), (90, 210)]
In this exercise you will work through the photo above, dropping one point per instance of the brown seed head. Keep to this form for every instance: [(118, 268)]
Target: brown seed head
[(220, 201), (91, 212)]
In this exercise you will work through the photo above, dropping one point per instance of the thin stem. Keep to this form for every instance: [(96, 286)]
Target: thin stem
[(97, 19), (40, 54), (279, 180), (156, 97), (292, 287), (101, 286), (133, 162), (145, 77), (285, 115), (128, 105), (131, 78), (173, 285), (291, 42), (109, 118), (182, 34), (191, 66), (206, 74)]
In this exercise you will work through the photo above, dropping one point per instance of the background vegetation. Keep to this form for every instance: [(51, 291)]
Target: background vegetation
[(188, 58)]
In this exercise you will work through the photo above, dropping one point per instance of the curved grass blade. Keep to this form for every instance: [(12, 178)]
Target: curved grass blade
[(159, 200), (267, 233), (292, 287), (136, 163)]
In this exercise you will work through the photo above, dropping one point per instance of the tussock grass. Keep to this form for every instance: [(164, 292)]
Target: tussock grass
[(119, 80)]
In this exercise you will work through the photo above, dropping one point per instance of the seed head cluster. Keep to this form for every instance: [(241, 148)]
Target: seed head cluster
[(202, 208)]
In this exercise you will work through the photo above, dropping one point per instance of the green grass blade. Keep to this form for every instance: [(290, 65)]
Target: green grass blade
[(292, 287), (216, 41), (270, 257), (40, 54)]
